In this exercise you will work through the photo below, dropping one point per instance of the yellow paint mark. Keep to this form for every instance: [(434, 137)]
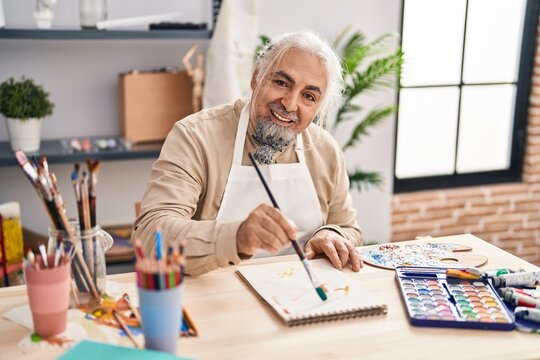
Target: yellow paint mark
[(287, 273)]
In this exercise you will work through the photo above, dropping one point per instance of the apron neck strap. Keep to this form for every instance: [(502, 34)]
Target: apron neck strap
[(241, 137)]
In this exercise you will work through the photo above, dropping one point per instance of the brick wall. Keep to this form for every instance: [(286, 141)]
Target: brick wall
[(506, 215)]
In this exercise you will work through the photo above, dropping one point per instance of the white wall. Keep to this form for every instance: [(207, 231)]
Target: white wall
[(81, 76)]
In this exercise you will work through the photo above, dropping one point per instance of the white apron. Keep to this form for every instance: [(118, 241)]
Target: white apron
[(290, 184)]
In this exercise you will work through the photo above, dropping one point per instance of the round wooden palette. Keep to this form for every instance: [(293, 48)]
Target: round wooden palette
[(429, 254)]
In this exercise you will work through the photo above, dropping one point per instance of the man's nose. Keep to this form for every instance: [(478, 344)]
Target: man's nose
[(290, 101)]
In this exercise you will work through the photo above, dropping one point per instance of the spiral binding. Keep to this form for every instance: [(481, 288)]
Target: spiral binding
[(337, 315)]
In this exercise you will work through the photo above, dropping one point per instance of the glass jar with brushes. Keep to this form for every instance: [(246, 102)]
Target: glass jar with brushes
[(88, 266)]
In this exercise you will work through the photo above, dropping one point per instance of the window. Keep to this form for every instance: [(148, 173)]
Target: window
[(464, 92)]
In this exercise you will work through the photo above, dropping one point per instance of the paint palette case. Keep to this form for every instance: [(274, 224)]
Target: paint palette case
[(433, 300)]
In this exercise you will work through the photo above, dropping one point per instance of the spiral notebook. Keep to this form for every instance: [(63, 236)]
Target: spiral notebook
[(286, 288)]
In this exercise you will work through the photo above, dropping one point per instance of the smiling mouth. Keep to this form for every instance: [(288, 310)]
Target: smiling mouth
[(281, 118)]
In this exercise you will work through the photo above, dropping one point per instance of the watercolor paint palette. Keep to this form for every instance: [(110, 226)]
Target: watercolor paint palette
[(433, 300)]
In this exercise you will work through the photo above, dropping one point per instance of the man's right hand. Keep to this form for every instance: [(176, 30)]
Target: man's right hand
[(265, 228)]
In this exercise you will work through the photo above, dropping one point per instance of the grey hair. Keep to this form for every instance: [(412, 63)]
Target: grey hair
[(313, 44)]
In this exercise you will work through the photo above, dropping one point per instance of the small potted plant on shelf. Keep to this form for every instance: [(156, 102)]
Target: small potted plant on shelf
[(24, 105)]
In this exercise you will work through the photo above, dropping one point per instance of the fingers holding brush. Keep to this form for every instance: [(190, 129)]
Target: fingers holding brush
[(265, 228)]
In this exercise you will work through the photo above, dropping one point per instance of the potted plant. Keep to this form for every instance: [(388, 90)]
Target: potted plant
[(368, 66), (24, 105)]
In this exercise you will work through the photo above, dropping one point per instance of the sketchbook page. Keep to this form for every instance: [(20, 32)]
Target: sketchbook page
[(287, 289)]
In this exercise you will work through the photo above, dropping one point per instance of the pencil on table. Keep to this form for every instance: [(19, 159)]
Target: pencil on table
[(189, 321)]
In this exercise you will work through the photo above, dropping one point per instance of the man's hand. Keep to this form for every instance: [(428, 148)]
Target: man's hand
[(338, 249), (265, 228)]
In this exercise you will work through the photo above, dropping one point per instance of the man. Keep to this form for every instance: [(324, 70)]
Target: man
[(204, 191)]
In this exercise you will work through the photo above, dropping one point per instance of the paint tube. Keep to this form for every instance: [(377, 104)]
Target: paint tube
[(532, 293), (497, 272), (529, 292), (528, 279), (517, 299), (527, 313), (527, 329)]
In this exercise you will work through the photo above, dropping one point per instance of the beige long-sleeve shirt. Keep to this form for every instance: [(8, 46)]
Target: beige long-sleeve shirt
[(188, 181)]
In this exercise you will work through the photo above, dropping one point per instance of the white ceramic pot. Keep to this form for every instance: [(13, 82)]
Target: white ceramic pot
[(24, 135)]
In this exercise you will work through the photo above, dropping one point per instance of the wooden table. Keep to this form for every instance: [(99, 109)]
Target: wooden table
[(234, 323)]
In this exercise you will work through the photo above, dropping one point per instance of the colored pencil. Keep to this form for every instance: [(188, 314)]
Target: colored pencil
[(189, 321), (316, 284)]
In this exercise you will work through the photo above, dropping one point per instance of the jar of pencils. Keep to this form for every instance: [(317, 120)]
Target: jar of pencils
[(88, 267)]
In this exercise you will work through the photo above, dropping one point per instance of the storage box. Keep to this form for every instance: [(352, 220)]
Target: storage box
[(151, 102)]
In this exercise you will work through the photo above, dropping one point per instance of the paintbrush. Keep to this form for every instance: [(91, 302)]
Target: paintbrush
[(124, 327), (29, 170), (32, 175), (132, 308), (76, 183), (84, 199), (93, 169), (296, 246)]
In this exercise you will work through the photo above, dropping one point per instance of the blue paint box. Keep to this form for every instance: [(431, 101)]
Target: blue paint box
[(432, 299)]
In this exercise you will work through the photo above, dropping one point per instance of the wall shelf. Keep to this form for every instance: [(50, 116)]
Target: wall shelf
[(59, 152), (93, 34)]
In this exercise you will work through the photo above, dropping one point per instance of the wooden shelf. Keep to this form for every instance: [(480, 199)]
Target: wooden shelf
[(58, 151), (93, 34)]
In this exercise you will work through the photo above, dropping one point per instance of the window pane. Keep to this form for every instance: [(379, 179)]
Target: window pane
[(485, 128), (493, 40), (427, 128), (432, 42)]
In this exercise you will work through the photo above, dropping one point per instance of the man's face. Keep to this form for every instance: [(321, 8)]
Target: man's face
[(292, 92)]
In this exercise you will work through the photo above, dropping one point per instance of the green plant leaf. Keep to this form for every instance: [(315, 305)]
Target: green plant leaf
[(380, 73), (373, 118), (366, 67), (363, 180), (344, 111)]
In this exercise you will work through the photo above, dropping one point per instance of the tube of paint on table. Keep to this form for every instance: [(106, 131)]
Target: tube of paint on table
[(511, 290), (527, 313), (517, 299), (528, 279), (532, 293), (528, 292), (497, 272)]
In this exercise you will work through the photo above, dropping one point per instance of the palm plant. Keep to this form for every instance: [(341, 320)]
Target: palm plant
[(366, 67)]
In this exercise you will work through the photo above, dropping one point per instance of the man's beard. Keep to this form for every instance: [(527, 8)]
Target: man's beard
[(271, 138)]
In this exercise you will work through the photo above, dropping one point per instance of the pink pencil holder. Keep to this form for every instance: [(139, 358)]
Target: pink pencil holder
[(48, 295)]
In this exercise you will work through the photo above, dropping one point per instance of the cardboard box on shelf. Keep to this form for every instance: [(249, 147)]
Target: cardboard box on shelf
[(151, 102)]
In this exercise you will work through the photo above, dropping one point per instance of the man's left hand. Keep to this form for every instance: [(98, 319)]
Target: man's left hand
[(336, 247)]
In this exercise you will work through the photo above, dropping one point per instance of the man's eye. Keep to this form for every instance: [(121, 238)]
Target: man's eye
[(280, 83), (309, 97)]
